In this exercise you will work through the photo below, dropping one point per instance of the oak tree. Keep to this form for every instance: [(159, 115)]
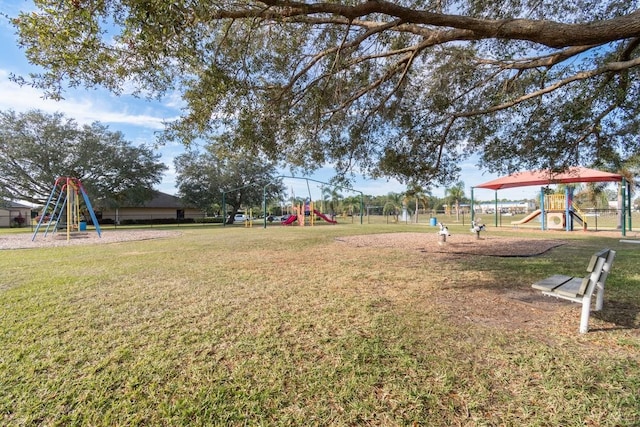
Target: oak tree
[(36, 148), (403, 89), (203, 176)]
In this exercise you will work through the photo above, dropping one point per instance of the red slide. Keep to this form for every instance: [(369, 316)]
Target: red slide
[(323, 216), (290, 220)]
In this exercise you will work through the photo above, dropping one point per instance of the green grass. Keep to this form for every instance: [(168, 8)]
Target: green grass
[(234, 326)]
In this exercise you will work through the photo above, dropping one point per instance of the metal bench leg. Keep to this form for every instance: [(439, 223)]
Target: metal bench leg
[(599, 296), (584, 317)]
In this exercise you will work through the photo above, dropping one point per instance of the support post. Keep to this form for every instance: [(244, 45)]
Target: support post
[(629, 216), (224, 209), (496, 207), (584, 316), (473, 211), (568, 219), (623, 212), (542, 211)]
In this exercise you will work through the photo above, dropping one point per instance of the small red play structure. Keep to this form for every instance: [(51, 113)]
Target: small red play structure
[(302, 212)]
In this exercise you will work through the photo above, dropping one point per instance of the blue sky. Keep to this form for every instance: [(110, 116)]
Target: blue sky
[(139, 120)]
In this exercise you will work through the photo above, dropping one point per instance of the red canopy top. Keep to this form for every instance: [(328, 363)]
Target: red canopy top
[(545, 177)]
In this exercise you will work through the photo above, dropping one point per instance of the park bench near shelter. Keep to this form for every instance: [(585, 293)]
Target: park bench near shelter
[(580, 290)]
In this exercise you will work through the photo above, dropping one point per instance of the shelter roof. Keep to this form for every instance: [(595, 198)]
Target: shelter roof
[(545, 177)]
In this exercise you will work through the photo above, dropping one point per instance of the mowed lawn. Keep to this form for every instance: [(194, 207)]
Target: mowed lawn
[(286, 326)]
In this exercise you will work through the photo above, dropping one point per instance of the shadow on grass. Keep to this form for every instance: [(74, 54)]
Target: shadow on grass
[(623, 314)]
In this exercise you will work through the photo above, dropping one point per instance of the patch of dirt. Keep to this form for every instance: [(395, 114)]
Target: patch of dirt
[(24, 241), (463, 244)]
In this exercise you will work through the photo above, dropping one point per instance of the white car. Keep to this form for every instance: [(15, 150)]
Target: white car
[(240, 218)]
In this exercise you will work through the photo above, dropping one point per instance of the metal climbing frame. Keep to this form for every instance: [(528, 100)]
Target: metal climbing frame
[(64, 205)]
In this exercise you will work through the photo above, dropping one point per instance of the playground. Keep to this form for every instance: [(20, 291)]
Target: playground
[(292, 324), (348, 324), (558, 211)]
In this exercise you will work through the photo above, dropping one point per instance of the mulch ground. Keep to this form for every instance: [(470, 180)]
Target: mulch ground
[(462, 244), (513, 307)]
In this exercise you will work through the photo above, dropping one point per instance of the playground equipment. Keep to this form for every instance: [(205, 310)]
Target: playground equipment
[(443, 233), (64, 204), (248, 221), (558, 212), (302, 212), (571, 175), (527, 218), (324, 217), (476, 227), (292, 218)]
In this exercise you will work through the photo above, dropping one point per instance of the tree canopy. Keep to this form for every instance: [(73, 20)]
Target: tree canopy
[(36, 148), (403, 89), (202, 177)]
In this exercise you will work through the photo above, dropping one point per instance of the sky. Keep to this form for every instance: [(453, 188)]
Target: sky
[(140, 120)]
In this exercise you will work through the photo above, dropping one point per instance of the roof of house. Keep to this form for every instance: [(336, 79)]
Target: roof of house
[(164, 200), (529, 178), (8, 204)]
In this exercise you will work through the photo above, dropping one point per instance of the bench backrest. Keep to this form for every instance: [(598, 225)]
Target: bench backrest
[(599, 267)]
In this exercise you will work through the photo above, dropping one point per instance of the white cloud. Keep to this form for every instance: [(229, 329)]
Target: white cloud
[(83, 109)]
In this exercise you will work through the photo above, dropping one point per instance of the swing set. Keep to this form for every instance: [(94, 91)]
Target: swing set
[(62, 210)]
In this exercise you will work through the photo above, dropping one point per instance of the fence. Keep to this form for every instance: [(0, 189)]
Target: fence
[(7, 221), (597, 219)]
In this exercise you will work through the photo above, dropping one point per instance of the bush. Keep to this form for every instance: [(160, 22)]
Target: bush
[(46, 218), (209, 220), (157, 221)]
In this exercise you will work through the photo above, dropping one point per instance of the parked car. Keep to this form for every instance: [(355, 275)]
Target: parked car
[(240, 218)]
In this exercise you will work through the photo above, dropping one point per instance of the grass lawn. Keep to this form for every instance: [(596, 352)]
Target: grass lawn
[(285, 326)]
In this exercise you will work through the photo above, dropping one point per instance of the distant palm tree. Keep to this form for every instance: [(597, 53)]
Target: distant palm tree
[(593, 194), (331, 196), (326, 196), (455, 195), (393, 204), (352, 204), (420, 195)]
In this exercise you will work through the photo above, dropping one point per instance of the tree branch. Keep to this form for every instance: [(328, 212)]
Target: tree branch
[(608, 68), (540, 61), (548, 33)]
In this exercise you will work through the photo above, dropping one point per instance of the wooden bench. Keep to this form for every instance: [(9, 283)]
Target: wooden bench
[(580, 290)]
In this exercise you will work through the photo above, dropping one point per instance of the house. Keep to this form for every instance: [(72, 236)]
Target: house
[(162, 208), (14, 214)]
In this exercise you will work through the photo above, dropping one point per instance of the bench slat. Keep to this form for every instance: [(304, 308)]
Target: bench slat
[(594, 259), (550, 283), (573, 288), (592, 263)]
